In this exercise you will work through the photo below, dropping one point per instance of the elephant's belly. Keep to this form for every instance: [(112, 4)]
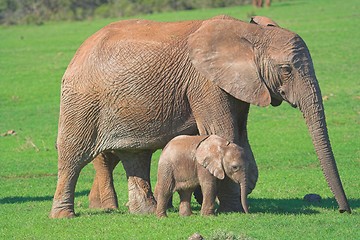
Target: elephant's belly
[(186, 185), (149, 134)]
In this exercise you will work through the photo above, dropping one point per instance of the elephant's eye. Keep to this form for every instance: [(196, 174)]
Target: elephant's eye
[(282, 93), (235, 168), (285, 69)]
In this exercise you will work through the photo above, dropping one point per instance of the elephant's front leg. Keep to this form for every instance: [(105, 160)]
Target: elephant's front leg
[(102, 194), (137, 167), (229, 191), (229, 196)]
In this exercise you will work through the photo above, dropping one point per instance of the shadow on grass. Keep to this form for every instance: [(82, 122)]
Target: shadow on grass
[(295, 206), (23, 199), (98, 211)]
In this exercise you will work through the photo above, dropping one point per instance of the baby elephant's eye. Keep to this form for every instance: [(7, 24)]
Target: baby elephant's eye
[(235, 168)]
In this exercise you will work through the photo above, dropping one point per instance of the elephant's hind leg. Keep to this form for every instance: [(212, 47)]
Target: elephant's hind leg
[(137, 167), (69, 167), (63, 202), (102, 194)]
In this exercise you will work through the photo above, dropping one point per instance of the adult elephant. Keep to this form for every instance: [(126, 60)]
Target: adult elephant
[(135, 84), (103, 195)]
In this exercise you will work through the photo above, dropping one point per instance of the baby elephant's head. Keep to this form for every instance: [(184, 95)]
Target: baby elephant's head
[(222, 158), (235, 163)]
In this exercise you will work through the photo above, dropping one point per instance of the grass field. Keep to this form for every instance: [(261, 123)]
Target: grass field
[(32, 61)]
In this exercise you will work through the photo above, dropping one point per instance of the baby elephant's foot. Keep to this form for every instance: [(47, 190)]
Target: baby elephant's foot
[(210, 212), (161, 214), (185, 212)]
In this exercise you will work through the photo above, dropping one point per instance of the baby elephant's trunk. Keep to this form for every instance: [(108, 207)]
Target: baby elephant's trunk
[(244, 202)]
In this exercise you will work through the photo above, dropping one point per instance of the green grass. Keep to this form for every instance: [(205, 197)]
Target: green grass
[(32, 61)]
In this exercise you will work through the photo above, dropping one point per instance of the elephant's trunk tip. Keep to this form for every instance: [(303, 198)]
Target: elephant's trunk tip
[(243, 199), (347, 209), (246, 210)]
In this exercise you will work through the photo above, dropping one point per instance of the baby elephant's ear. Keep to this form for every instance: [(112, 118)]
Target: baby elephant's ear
[(263, 21), (209, 154)]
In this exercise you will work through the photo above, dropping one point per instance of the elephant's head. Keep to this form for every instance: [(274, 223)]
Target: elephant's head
[(221, 157), (264, 64)]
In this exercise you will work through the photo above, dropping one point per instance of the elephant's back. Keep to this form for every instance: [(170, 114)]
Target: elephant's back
[(148, 31), (143, 34), (127, 49)]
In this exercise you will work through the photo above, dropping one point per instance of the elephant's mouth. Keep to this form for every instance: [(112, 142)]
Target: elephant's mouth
[(275, 102)]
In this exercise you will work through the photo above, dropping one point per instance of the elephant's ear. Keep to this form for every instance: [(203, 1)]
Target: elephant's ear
[(220, 53), (210, 153), (263, 21)]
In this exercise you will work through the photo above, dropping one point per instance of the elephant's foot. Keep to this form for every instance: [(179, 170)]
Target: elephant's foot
[(185, 212), (98, 204), (61, 212), (208, 213), (108, 201), (141, 199), (161, 214), (185, 209), (185, 206), (63, 202)]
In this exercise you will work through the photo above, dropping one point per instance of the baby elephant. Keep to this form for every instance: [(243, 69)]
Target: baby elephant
[(189, 161)]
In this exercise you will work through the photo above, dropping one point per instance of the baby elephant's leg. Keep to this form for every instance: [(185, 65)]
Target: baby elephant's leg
[(209, 195), (162, 202), (185, 200)]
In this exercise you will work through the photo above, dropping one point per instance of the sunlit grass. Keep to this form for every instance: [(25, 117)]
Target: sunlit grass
[(32, 61)]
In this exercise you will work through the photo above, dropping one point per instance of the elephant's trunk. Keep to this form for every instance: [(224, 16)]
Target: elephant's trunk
[(244, 202), (313, 111)]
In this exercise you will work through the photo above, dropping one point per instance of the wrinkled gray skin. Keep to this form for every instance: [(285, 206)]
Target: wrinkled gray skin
[(136, 84), (191, 161)]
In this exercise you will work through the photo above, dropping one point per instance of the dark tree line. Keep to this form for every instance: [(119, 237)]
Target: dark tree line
[(38, 11)]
